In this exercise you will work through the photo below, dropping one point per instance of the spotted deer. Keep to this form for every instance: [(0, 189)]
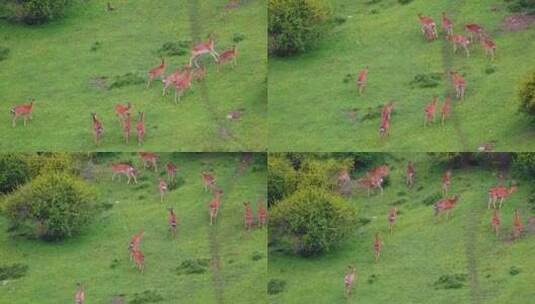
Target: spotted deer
[(430, 110), (228, 56), (140, 128), (208, 180), (203, 48), (518, 227), (149, 159), (24, 111), (171, 172), (370, 183), (445, 110), (162, 188), (79, 296), (214, 206), (350, 279), (98, 128), (139, 260), (362, 80), (156, 72), (377, 247), (459, 84), (446, 182), (428, 27), (182, 84), (489, 46), (170, 80), (388, 108), (499, 193), (392, 216), (384, 128), (134, 243), (172, 221), (459, 41), (248, 216), (446, 205), (125, 169), (447, 25), (475, 30), (261, 216), (495, 222), (122, 109), (410, 175)]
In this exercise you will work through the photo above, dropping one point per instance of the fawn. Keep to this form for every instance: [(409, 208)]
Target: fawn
[(447, 25), (409, 177), (362, 80), (203, 48), (430, 110), (459, 83), (495, 222), (428, 27), (446, 205), (24, 111), (499, 193), (214, 205), (149, 159), (162, 187), (446, 182), (489, 46), (349, 279), (228, 56), (156, 72), (392, 216), (459, 41), (172, 221), (445, 110), (377, 246), (171, 172), (248, 216), (98, 128), (208, 180), (125, 169), (518, 227), (127, 126), (122, 109), (79, 296), (140, 128)]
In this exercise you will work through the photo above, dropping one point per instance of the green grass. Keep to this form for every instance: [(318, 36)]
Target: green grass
[(54, 268), (420, 251), (308, 95), (55, 64)]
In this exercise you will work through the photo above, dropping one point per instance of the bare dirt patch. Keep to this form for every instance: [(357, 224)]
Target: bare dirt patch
[(517, 22)]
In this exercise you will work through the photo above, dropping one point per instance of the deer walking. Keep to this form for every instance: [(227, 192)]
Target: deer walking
[(446, 205), (134, 243), (495, 222), (203, 48), (79, 296), (428, 27), (214, 206), (447, 25), (24, 111), (121, 110), (392, 216), (140, 128), (228, 56), (139, 260), (499, 193), (248, 216), (262, 216), (125, 169), (445, 110), (172, 221), (459, 84), (409, 176), (171, 172), (430, 110), (127, 127), (475, 30), (377, 247), (362, 80), (350, 279), (162, 187), (518, 227), (98, 128), (156, 72), (489, 46), (149, 159)]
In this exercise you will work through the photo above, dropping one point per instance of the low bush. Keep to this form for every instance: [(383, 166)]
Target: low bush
[(403, 2), (125, 80), (4, 52), (451, 281), (424, 81), (514, 270), (193, 266), (12, 272), (276, 286), (282, 178), (14, 172), (179, 48), (147, 296), (238, 37), (526, 95), (34, 11)]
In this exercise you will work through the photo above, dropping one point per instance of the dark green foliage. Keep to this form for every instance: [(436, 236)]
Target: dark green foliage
[(177, 183), (339, 20), (14, 172), (348, 78), (4, 52), (147, 296), (52, 162), (531, 200), (403, 2), (514, 270), (423, 81), (125, 80), (524, 164), (53, 206), (526, 6), (311, 221), (526, 95), (114, 263), (374, 11), (451, 281), (179, 48), (372, 278), (431, 199), (193, 266), (490, 69), (372, 114), (363, 221), (238, 37), (400, 201), (295, 26), (276, 286), (34, 11), (96, 46), (12, 272), (257, 256), (282, 178)]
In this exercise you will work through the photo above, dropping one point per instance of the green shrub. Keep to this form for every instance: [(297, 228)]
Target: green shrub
[(276, 286), (527, 6), (4, 52), (451, 281), (524, 164), (238, 37), (193, 266), (179, 48), (14, 172), (526, 94), (126, 80), (51, 162), (514, 270), (403, 2), (147, 296), (282, 178), (431, 199), (53, 206), (294, 26), (424, 81), (321, 173), (311, 221), (34, 11), (12, 272)]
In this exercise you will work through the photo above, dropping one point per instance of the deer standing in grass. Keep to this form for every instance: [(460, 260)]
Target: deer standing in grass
[(261, 215), (172, 221), (98, 128), (134, 243), (428, 27), (386, 113), (214, 206), (140, 128), (495, 222), (24, 111), (171, 172), (149, 159), (499, 193), (384, 128), (445, 110), (139, 260), (489, 46), (446, 182), (392, 216), (518, 227), (208, 180), (125, 169), (228, 56), (410, 175), (121, 110), (475, 30), (459, 41), (203, 48), (248, 216), (430, 110), (162, 187), (182, 84), (377, 247), (447, 25), (127, 127), (79, 296), (446, 205), (362, 80), (371, 183), (156, 72), (350, 279), (199, 74), (459, 84), (170, 80)]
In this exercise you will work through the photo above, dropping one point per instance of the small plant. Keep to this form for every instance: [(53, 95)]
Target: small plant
[(400, 201), (372, 278), (34, 11), (238, 37), (348, 78), (114, 263), (490, 69), (431, 199), (12, 272), (402, 193), (424, 81), (147, 296), (257, 256), (125, 80), (514, 270), (403, 2), (4, 52), (372, 114), (451, 281), (179, 48), (96, 46), (339, 20), (363, 221), (374, 11), (193, 266), (14, 172), (276, 286)]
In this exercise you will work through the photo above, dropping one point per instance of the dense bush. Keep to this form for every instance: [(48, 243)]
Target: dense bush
[(321, 173), (51, 162), (53, 206), (296, 25), (311, 221), (14, 172), (526, 94), (516, 6), (524, 164), (34, 11), (282, 178)]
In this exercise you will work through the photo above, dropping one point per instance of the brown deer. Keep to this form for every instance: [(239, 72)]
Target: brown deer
[(430, 110), (386, 113), (475, 30), (156, 72), (248, 216), (162, 187), (228, 56), (495, 222), (140, 128), (125, 169), (392, 216), (460, 41), (489, 46), (428, 27), (170, 80), (446, 182), (350, 278), (446, 205), (410, 175), (139, 260), (459, 84), (371, 183), (377, 247), (98, 128), (214, 206), (122, 109), (384, 128), (362, 80), (134, 243), (262, 216), (447, 25), (208, 180), (518, 227), (79, 296), (499, 193), (149, 159), (172, 221), (445, 110), (199, 74), (182, 84), (24, 111), (203, 48), (171, 172)]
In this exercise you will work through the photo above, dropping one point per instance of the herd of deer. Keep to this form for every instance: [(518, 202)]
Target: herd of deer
[(374, 179)]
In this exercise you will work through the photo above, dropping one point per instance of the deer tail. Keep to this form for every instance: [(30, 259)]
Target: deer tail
[(12, 111)]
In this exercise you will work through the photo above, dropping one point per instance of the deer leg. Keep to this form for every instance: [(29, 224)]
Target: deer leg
[(490, 201), (467, 51), (135, 180), (501, 202)]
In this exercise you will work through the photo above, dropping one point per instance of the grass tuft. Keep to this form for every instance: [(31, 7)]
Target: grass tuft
[(424, 81), (451, 281), (4, 52), (431, 199), (179, 48), (14, 271), (193, 266), (276, 286), (124, 80), (147, 296)]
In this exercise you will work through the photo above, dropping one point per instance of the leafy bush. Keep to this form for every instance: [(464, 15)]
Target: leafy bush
[(431, 199), (125, 80), (147, 296), (311, 221), (179, 48), (403, 2), (527, 6), (4, 52), (12, 272), (526, 94), (34, 11), (14, 172), (524, 164), (294, 26), (514, 270), (424, 81), (193, 266), (51, 162), (282, 178), (53, 206), (276, 286), (238, 37), (321, 173), (451, 281)]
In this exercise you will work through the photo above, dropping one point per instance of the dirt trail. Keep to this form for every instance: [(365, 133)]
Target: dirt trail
[(197, 33)]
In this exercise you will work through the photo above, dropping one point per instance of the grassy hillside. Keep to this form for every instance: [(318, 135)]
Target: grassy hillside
[(420, 251), (308, 94), (62, 65), (99, 257)]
